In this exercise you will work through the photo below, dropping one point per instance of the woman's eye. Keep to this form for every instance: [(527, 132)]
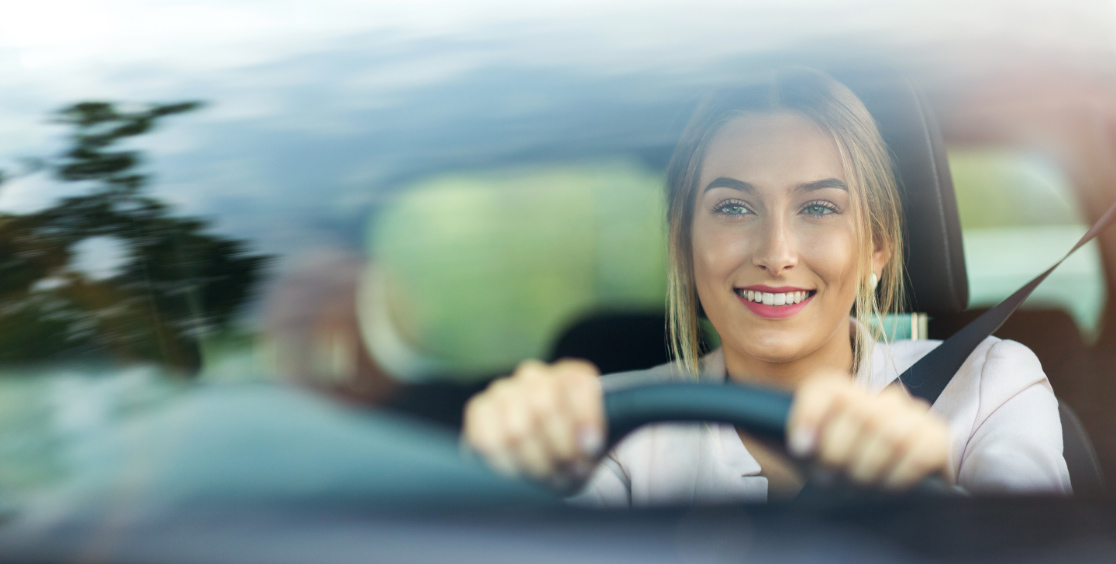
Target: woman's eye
[(818, 208), (731, 208)]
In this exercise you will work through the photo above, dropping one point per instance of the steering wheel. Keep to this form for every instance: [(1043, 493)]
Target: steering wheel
[(762, 412)]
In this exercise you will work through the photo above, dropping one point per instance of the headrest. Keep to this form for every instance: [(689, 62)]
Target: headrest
[(935, 260), (616, 341)]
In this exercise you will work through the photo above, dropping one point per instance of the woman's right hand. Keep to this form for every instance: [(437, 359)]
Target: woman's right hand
[(545, 421)]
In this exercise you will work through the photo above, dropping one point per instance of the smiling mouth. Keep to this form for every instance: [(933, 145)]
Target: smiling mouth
[(771, 299)]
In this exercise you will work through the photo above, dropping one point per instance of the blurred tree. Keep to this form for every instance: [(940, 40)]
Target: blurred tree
[(177, 282)]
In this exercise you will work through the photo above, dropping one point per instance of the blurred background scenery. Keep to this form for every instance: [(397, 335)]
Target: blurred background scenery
[(393, 202)]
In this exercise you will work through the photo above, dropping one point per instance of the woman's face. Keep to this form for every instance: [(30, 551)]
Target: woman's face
[(774, 240)]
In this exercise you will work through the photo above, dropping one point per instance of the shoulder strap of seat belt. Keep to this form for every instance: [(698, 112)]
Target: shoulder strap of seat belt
[(930, 375)]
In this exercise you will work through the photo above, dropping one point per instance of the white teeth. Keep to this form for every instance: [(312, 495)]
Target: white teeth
[(770, 299)]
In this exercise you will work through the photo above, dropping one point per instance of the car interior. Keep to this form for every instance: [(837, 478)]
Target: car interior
[(619, 340)]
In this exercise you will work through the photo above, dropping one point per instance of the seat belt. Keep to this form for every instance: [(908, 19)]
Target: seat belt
[(929, 376)]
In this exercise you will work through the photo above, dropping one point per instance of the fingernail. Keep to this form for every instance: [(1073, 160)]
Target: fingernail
[(590, 441), (801, 443)]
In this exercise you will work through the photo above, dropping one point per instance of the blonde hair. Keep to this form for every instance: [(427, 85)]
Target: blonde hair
[(872, 191)]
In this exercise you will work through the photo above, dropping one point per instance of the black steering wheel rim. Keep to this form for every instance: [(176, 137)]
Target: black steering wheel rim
[(761, 411)]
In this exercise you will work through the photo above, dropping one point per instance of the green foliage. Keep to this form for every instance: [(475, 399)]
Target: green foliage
[(178, 281), (486, 269), (998, 188)]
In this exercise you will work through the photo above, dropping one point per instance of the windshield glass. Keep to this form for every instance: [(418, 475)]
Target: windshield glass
[(391, 203)]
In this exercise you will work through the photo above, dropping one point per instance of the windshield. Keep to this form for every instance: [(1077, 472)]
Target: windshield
[(386, 205)]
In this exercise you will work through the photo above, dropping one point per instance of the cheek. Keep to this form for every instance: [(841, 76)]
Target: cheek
[(717, 253), (831, 255)]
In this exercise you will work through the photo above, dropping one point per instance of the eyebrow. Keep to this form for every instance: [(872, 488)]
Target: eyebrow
[(722, 182), (821, 185), (732, 183)]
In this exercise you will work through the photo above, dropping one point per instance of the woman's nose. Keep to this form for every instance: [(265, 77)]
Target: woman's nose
[(775, 250)]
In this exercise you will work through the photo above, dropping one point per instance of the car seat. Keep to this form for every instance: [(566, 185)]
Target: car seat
[(1053, 336)]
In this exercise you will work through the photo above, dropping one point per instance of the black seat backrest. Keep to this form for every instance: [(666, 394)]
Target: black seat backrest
[(934, 258), (616, 341), (1081, 458)]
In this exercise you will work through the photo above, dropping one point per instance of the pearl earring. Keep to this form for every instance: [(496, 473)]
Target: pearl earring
[(873, 280)]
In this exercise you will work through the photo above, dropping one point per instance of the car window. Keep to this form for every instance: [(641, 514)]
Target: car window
[(483, 269), (1018, 217)]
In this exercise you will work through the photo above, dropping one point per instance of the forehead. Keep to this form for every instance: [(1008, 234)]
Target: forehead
[(773, 150)]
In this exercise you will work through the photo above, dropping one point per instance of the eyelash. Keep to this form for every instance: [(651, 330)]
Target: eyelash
[(822, 204), (722, 206)]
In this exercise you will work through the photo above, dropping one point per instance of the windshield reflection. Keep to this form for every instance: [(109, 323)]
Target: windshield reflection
[(395, 211), (113, 273)]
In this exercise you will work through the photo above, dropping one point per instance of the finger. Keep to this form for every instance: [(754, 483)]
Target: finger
[(926, 455), (527, 406), (840, 434), (813, 402), (577, 365), (515, 413), (539, 391), (584, 398), (534, 458), (479, 427), (529, 366), (549, 416), (886, 437), (484, 433), (560, 433)]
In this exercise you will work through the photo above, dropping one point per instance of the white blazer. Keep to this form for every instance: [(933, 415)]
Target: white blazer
[(1002, 414)]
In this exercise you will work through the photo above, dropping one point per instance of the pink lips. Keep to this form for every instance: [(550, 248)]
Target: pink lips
[(774, 312)]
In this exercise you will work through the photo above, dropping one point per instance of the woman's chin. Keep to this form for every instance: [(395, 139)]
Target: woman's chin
[(774, 351)]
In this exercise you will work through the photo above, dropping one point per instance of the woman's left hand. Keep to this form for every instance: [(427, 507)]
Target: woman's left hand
[(888, 440)]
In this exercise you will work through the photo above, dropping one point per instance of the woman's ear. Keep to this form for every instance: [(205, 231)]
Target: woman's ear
[(881, 254)]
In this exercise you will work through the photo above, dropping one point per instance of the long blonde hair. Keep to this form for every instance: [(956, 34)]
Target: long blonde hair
[(872, 190)]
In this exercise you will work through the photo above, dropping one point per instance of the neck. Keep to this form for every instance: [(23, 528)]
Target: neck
[(835, 354)]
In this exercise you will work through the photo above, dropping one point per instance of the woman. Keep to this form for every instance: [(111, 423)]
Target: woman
[(784, 218)]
